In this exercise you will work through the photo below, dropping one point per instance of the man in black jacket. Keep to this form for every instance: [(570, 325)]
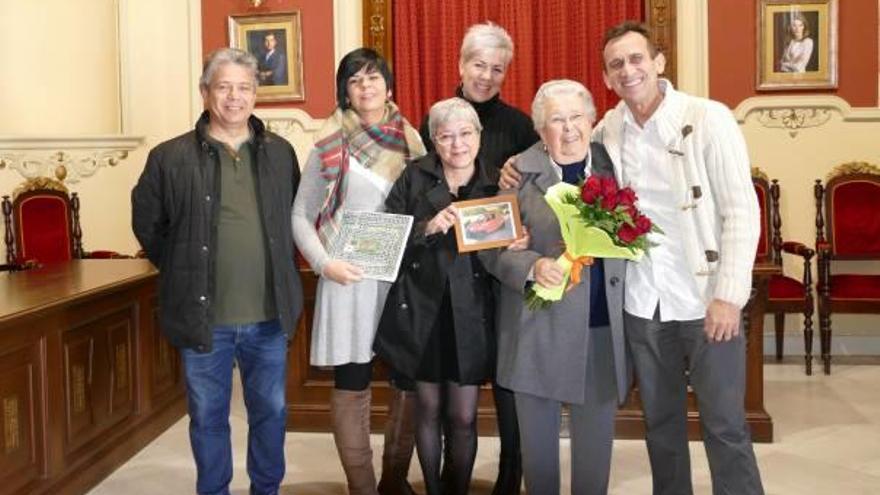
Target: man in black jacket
[(212, 212)]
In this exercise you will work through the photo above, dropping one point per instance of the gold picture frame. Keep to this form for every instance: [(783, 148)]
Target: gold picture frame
[(487, 222), (797, 44), (276, 41)]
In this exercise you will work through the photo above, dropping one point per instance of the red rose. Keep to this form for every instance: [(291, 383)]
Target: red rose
[(626, 196), (630, 210), (609, 193), (643, 224), (627, 234), (591, 189)]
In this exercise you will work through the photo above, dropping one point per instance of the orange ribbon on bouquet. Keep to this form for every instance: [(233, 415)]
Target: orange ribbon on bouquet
[(577, 265)]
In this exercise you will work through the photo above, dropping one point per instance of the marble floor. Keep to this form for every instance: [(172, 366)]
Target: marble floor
[(827, 431)]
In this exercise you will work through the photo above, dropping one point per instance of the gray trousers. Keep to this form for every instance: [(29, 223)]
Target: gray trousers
[(591, 428), (662, 352)]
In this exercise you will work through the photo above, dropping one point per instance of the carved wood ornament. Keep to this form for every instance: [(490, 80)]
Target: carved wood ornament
[(659, 15)]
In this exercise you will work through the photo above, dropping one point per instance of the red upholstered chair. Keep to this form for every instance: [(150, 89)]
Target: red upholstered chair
[(786, 294), (42, 225), (847, 228)]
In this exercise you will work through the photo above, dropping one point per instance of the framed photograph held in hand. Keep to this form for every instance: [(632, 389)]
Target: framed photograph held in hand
[(487, 223)]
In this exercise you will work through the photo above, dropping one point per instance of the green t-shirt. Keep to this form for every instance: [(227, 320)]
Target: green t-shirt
[(242, 291)]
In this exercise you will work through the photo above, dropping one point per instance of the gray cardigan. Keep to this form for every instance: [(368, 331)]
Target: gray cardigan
[(544, 352)]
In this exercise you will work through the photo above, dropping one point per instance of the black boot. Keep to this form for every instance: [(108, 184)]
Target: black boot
[(509, 477)]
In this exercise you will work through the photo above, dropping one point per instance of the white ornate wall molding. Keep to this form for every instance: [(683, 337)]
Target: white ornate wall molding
[(793, 113), (292, 124), (66, 159)]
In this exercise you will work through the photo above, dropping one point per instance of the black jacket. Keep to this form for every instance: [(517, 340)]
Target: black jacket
[(506, 130), (415, 299), (175, 206)]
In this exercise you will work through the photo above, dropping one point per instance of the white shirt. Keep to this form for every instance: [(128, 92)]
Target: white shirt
[(663, 276)]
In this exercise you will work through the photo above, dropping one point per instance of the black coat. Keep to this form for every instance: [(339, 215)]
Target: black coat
[(175, 206), (431, 265)]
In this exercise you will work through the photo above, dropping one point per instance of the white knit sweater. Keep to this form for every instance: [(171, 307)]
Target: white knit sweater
[(713, 184)]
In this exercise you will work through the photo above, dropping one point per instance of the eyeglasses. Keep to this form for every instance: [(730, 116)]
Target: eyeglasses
[(447, 138)]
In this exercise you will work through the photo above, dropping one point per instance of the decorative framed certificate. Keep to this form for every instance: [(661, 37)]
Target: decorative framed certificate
[(487, 222), (372, 241)]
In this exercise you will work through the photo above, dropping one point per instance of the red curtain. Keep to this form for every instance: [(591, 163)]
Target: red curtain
[(552, 39)]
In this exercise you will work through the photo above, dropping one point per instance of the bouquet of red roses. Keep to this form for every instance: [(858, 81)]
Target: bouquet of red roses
[(598, 219), (605, 206)]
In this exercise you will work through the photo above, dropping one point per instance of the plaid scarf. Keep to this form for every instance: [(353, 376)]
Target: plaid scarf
[(381, 148)]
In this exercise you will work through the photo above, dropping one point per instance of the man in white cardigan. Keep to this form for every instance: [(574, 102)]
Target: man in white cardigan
[(687, 161)]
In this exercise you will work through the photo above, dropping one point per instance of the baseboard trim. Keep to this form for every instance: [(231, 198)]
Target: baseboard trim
[(841, 345)]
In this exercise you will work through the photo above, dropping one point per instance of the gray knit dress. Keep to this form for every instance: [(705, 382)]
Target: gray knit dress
[(346, 316)]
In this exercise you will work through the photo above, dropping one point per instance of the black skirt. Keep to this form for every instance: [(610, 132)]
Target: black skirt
[(440, 357)]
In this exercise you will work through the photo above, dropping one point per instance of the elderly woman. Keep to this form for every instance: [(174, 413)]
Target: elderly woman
[(358, 155), (486, 52), (437, 323), (800, 46), (572, 353)]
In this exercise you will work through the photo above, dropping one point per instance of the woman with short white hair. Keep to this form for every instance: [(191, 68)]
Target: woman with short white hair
[(573, 352), (486, 53)]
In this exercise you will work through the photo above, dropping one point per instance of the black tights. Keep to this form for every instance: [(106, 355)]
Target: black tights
[(508, 426), (454, 406)]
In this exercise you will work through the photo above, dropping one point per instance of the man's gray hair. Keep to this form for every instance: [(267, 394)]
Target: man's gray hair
[(451, 110), (486, 36), (227, 56), (556, 88)]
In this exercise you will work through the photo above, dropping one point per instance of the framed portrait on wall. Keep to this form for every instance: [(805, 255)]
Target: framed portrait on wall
[(797, 44), (276, 41)]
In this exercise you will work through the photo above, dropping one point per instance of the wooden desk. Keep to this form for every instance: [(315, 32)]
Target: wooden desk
[(308, 388), (86, 379)]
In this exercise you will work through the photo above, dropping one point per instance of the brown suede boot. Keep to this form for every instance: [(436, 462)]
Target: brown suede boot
[(350, 411), (399, 441)]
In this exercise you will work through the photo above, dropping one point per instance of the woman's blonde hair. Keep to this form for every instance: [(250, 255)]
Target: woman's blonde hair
[(486, 36)]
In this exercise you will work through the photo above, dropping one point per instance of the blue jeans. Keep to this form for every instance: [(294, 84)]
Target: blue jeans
[(261, 352)]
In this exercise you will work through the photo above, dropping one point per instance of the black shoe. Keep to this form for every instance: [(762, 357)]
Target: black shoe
[(509, 478)]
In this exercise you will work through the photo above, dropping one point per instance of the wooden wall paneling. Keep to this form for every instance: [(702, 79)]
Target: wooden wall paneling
[(22, 450), (79, 411), (166, 377), (81, 331), (121, 393), (660, 16), (377, 24), (97, 373)]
